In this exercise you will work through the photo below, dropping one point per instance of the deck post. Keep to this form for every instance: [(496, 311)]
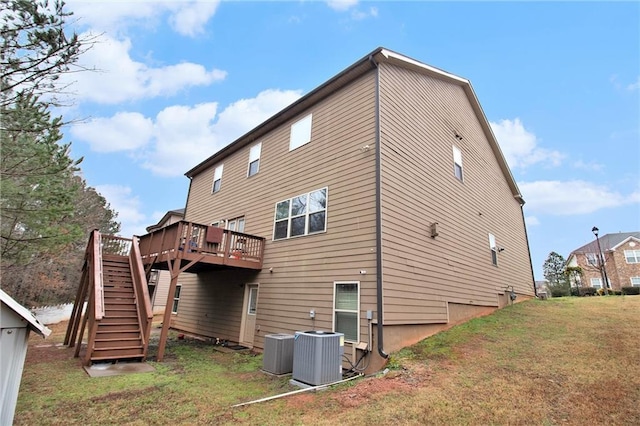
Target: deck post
[(166, 321)]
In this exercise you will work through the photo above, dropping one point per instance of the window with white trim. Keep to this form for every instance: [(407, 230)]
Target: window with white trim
[(302, 215), (635, 281), (596, 282), (252, 307), (176, 299), (457, 162), (346, 306), (236, 224), (494, 249), (632, 256), (254, 159), (592, 259), (300, 133), (217, 178)]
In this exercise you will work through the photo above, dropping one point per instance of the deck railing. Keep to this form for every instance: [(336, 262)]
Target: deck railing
[(187, 237)]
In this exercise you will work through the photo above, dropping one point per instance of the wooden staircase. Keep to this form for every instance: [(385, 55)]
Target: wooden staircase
[(118, 312), (118, 335)]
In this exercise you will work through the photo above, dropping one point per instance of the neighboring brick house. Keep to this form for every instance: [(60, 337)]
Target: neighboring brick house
[(621, 252)]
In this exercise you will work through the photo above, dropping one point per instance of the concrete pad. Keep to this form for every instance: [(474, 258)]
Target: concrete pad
[(118, 369)]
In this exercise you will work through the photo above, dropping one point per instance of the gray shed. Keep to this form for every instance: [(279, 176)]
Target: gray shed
[(16, 322)]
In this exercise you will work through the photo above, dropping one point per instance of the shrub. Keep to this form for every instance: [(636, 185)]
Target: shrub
[(559, 292), (587, 291), (630, 290)]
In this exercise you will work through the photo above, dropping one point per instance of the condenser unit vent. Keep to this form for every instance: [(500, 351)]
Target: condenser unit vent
[(317, 357), (278, 353)]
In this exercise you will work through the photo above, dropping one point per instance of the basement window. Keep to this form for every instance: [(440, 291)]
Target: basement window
[(176, 299)]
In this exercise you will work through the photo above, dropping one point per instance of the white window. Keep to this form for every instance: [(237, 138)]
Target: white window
[(217, 178), (253, 301), (300, 133), (254, 159), (176, 299), (596, 282), (346, 306), (457, 163), (635, 281), (494, 249), (236, 224), (302, 215), (592, 259), (632, 256)]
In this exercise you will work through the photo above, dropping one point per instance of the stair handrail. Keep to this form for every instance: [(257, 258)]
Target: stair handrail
[(145, 313), (98, 282)]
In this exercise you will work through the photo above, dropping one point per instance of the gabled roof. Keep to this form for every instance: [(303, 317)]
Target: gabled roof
[(165, 218), (364, 65), (607, 242), (23, 312)]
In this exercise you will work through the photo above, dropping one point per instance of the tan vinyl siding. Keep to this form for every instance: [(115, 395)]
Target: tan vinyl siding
[(303, 268), (419, 118)]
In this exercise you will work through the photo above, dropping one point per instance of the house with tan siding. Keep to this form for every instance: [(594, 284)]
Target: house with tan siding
[(620, 257), (387, 209)]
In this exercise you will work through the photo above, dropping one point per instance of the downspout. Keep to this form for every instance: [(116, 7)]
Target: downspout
[(379, 308), (526, 237)]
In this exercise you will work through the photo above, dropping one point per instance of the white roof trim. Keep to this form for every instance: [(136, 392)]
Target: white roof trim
[(34, 324), (630, 237), (394, 55)]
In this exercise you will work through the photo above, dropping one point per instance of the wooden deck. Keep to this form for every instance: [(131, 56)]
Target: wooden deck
[(201, 248)]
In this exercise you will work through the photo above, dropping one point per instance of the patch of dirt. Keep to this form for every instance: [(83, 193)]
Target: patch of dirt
[(117, 396)]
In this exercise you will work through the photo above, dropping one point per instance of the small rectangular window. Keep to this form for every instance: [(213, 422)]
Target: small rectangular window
[(635, 281), (494, 249), (217, 178), (596, 282), (632, 256), (592, 259), (176, 299), (457, 162), (254, 159), (253, 301), (300, 133), (346, 308)]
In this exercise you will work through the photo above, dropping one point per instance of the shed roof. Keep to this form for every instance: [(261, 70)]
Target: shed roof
[(367, 63), (23, 312)]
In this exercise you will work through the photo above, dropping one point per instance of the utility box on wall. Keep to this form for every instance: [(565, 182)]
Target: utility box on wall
[(317, 357), (278, 353)]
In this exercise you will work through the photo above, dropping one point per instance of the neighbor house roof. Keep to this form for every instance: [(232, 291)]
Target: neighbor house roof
[(165, 218), (31, 320), (607, 242), (364, 65)]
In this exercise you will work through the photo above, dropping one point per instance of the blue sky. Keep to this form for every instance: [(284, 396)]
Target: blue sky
[(176, 81)]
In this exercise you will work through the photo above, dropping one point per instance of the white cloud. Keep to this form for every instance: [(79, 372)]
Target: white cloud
[(359, 15), (634, 86), (532, 221), (125, 131), (571, 197), (520, 147), (185, 17), (118, 78), (595, 167), (181, 136), (190, 19), (128, 207), (341, 5)]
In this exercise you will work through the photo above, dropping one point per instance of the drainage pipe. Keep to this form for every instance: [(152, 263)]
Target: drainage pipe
[(379, 300), (269, 398)]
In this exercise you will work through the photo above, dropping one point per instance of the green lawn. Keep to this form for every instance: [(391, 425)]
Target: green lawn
[(561, 361)]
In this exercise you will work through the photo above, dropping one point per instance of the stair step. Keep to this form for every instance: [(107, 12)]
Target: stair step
[(123, 351), (117, 334), (119, 321), (107, 358), (117, 343), (118, 328)]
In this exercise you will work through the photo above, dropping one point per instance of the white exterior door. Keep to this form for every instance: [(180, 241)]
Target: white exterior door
[(249, 313)]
